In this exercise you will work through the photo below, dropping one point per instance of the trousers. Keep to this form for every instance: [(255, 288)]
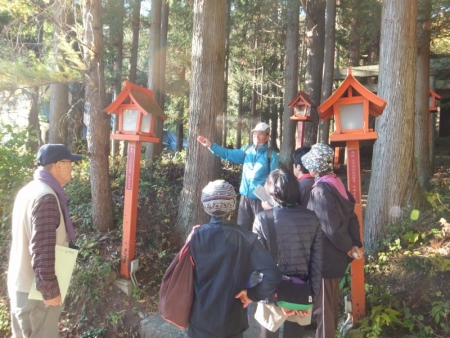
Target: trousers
[(31, 318)]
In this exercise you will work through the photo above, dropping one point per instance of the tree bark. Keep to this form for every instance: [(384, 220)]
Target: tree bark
[(328, 65), (206, 100), (75, 126), (98, 128), (315, 27), (135, 23), (154, 149), (422, 113), (163, 52), (291, 81), (116, 39), (225, 90), (393, 182), (59, 92), (239, 117), (355, 35)]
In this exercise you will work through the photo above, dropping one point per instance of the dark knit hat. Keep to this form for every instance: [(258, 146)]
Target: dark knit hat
[(218, 198), (319, 159), (52, 153)]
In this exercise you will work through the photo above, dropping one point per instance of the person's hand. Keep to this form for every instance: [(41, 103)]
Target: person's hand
[(204, 141), (355, 253), (290, 313), (54, 301), (266, 205), (303, 313), (244, 299)]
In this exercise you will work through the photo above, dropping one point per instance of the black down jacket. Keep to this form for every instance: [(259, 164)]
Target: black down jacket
[(340, 226), (299, 239)]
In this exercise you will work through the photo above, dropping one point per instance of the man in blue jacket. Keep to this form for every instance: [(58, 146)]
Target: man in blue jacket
[(258, 161)]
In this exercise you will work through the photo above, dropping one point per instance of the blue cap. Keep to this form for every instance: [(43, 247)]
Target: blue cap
[(52, 153)]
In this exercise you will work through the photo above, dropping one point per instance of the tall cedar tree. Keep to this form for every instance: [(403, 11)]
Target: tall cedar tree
[(206, 100), (328, 65), (59, 92), (99, 122), (291, 80), (422, 114), (315, 40), (393, 182), (154, 75)]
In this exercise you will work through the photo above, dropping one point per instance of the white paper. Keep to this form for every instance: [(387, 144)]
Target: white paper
[(65, 259), (261, 193)]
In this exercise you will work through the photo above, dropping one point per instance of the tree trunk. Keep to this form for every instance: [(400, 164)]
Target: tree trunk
[(239, 117), (59, 107), (75, 127), (154, 149), (393, 182), (116, 38), (225, 90), (59, 92), (98, 128), (33, 121), (315, 27), (76, 89), (206, 100), (163, 53), (135, 23), (422, 113), (33, 115), (291, 78), (328, 66), (355, 35)]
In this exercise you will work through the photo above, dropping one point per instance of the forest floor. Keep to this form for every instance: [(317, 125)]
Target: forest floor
[(96, 307)]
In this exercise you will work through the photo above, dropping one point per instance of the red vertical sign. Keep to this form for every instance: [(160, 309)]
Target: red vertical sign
[(353, 173), (130, 166)]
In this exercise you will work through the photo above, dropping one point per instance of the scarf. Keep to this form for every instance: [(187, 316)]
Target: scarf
[(45, 177), (333, 180)]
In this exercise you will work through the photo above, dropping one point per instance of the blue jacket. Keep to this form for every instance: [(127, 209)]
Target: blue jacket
[(255, 169)]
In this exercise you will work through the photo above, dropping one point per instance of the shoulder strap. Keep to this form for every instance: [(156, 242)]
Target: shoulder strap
[(272, 234), (269, 155), (247, 150)]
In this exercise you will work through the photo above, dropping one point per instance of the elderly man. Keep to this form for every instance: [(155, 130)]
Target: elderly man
[(40, 221), (258, 161), (224, 256)]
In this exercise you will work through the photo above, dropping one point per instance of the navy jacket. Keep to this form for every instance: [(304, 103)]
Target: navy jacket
[(225, 256)]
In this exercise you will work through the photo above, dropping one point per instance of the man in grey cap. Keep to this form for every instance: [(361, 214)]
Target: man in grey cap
[(40, 221), (258, 161)]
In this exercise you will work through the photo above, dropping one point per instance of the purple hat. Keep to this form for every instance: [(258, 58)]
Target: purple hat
[(52, 153)]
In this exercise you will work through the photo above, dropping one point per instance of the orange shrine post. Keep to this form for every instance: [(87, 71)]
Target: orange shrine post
[(351, 105), (137, 111), (302, 113)]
